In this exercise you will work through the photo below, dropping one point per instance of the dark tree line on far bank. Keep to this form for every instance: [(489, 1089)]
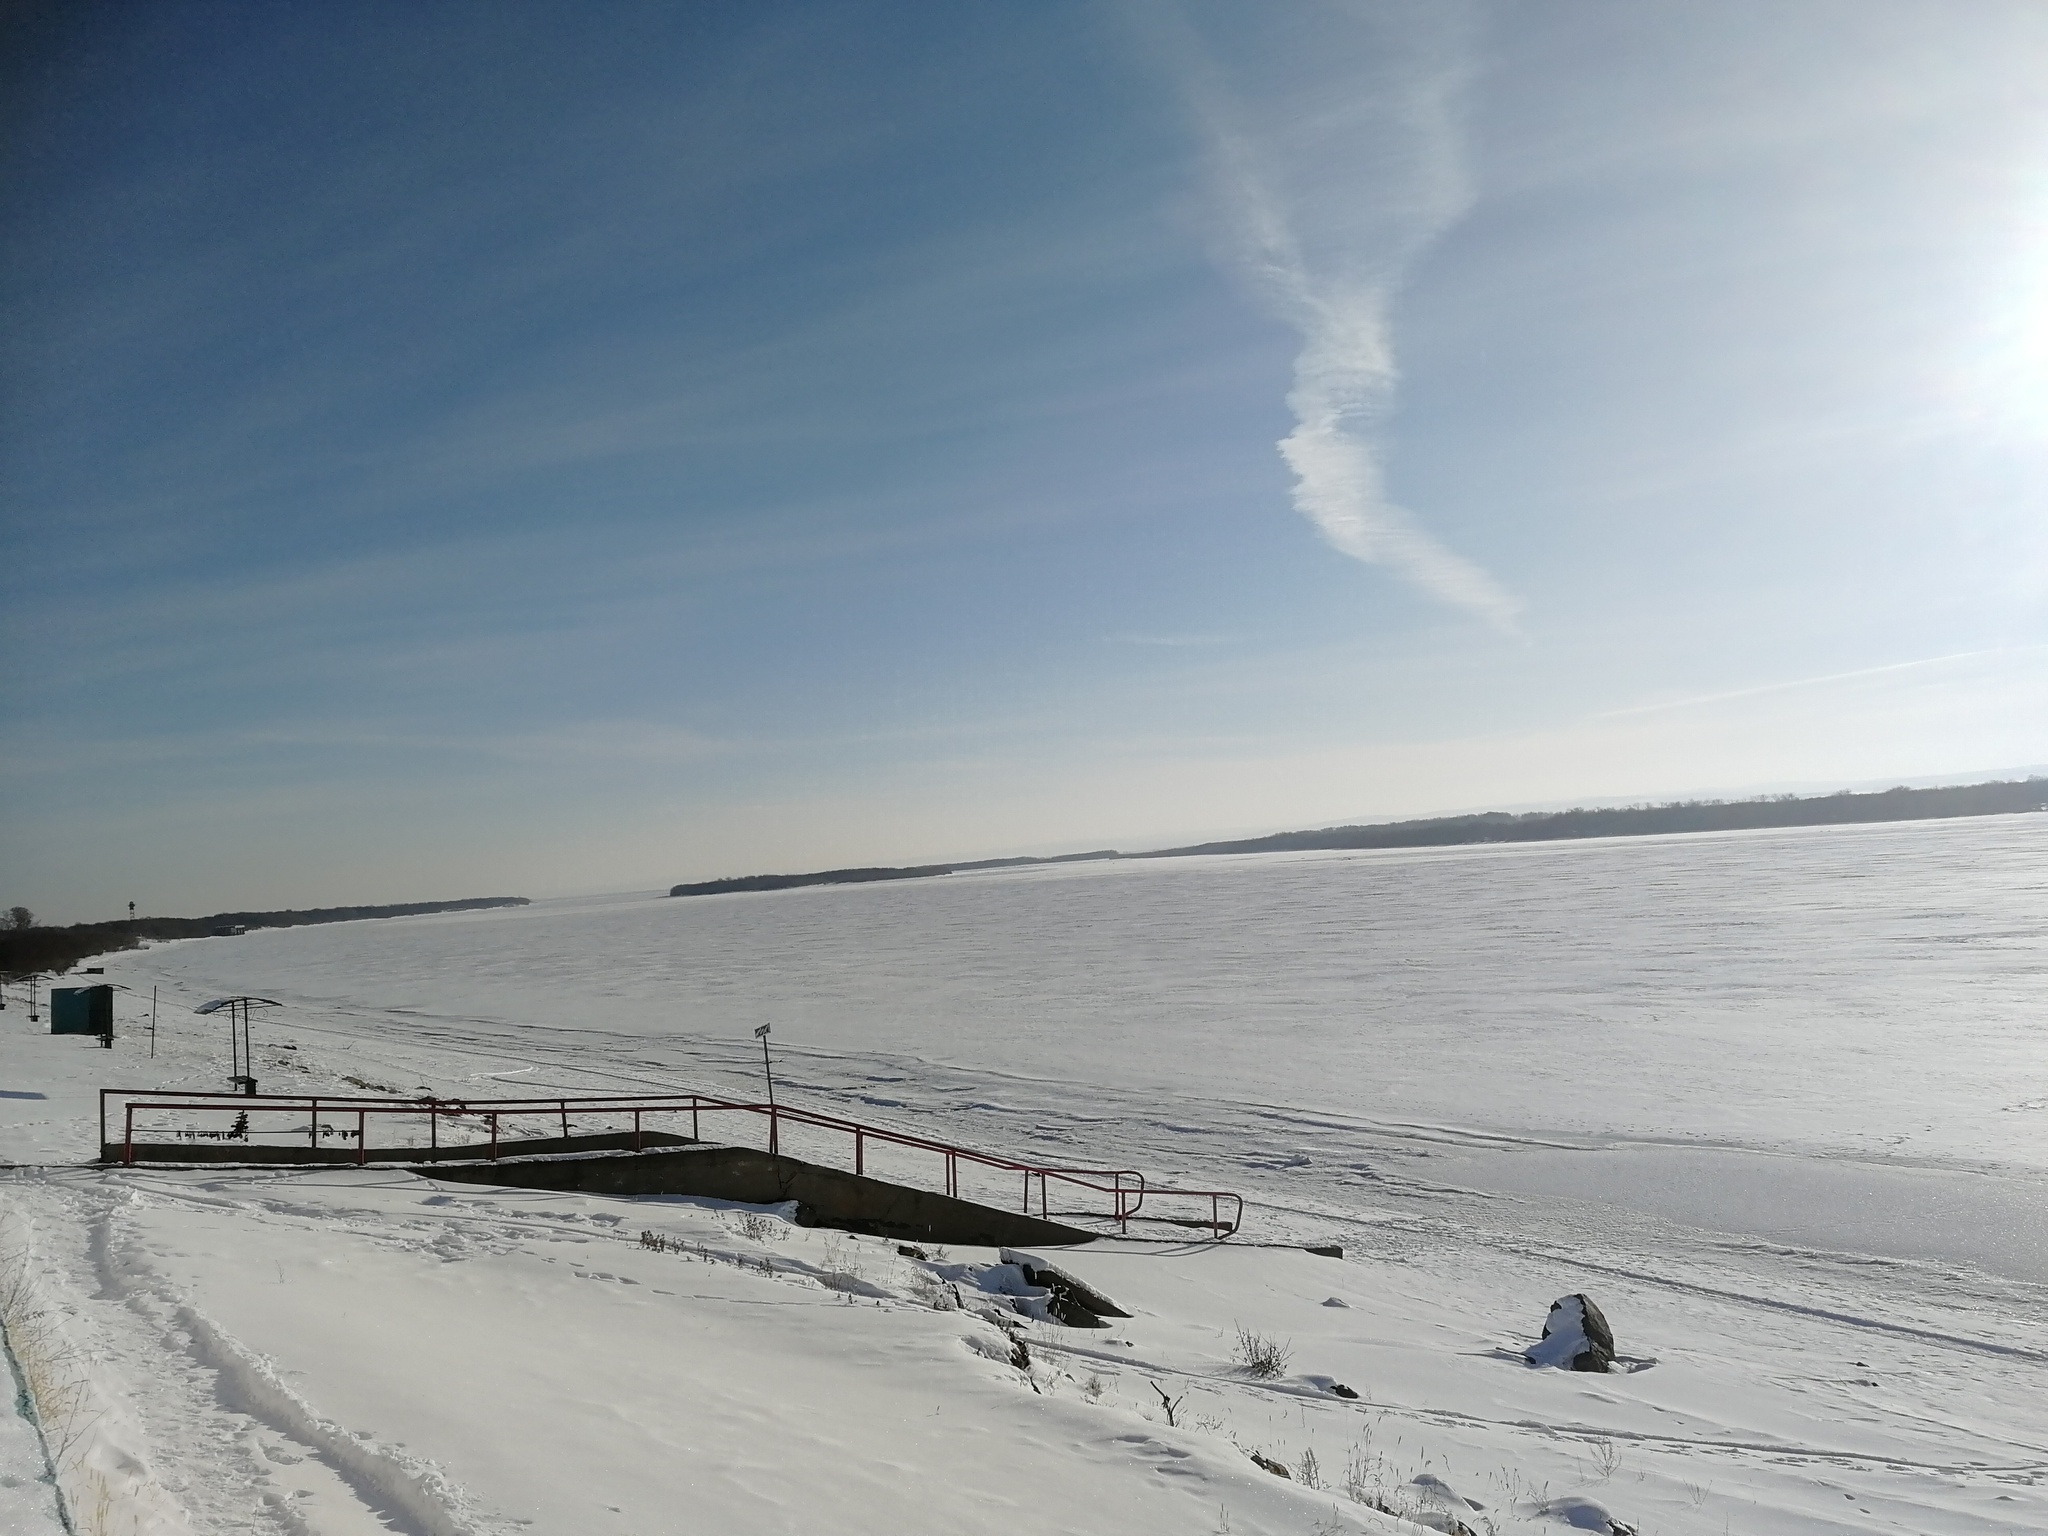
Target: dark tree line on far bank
[(26, 948), (2000, 797)]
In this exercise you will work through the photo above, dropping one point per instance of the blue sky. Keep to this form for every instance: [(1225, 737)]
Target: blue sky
[(519, 448)]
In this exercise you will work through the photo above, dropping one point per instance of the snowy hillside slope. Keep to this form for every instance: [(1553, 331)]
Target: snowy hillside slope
[(352, 1351), (1833, 1316), (349, 1351)]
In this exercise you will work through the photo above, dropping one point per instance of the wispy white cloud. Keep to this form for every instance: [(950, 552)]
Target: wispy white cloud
[(1326, 218), (1700, 700)]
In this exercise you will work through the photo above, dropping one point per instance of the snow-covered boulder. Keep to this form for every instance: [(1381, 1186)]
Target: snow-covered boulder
[(1575, 1337), (1582, 1514), (1427, 1500), (1067, 1300)]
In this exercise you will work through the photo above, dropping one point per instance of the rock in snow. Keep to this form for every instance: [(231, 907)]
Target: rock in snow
[(1433, 1503), (1582, 1514), (1575, 1337)]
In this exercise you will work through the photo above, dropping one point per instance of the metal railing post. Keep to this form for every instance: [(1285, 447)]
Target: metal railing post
[(564, 1104), (636, 1128), (128, 1136), (362, 1137), (494, 1134), (859, 1151)]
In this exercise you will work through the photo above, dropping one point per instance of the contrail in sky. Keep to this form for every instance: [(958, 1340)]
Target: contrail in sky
[(1810, 682), (1345, 374)]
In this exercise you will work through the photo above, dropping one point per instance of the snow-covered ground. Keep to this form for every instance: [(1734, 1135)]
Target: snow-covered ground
[(1776, 1100)]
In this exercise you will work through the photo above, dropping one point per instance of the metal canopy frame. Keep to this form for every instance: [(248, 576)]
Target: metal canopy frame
[(239, 1051)]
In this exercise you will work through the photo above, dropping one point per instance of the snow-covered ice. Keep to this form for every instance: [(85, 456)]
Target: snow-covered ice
[(1775, 1100)]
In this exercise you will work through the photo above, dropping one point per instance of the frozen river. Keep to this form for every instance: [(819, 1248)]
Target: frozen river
[(1777, 1099), (1829, 1036)]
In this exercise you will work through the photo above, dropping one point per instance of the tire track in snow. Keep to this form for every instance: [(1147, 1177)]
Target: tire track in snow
[(1773, 1449), (415, 1495), (1797, 1309), (106, 1473), (1507, 1244), (390, 1491)]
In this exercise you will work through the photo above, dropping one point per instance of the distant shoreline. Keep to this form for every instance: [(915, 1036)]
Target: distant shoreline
[(26, 951), (1998, 797)]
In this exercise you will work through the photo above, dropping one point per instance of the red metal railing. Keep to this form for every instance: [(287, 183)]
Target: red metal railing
[(1126, 1187)]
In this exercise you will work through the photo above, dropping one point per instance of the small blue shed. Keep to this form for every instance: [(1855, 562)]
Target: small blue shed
[(82, 1011)]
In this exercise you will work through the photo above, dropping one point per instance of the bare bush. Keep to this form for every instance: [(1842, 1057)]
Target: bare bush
[(845, 1269), (1365, 1476), (1170, 1404), (934, 1292), (753, 1225), (1260, 1357)]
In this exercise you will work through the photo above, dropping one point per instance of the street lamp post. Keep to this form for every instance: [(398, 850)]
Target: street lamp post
[(774, 1141)]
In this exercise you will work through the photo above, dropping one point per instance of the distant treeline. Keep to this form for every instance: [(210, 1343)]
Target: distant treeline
[(1998, 798), (24, 950), (862, 876), (1899, 804)]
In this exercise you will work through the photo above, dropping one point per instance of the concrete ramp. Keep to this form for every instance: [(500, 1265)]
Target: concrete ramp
[(825, 1197)]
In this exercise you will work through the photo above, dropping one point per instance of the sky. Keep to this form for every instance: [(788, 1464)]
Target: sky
[(454, 449)]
